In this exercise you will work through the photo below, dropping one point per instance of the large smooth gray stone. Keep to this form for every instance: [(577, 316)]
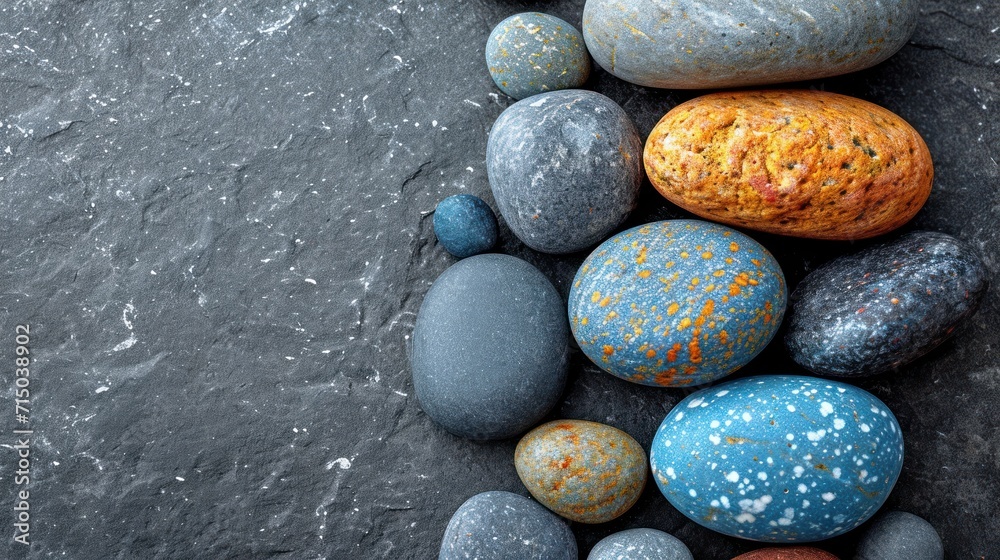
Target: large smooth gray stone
[(690, 44), (898, 535)]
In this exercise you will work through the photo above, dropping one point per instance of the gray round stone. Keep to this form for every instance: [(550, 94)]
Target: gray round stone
[(565, 168), (898, 535), (505, 526), (490, 348), (640, 544), (694, 44)]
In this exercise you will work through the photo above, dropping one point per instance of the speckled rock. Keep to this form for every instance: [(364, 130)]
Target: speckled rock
[(676, 303), (531, 53), (640, 544), (687, 44), (787, 553), (490, 348), (565, 168), (898, 535), (803, 163), (465, 225), (778, 458), (503, 526), (886, 306), (584, 471)]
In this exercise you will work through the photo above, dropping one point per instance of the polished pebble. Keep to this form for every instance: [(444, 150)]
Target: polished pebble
[(640, 544), (778, 458), (465, 225), (532, 53), (885, 306), (787, 553), (898, 535)]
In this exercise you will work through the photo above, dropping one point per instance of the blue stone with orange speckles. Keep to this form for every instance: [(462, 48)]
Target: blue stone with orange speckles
[(886, 306), (640, 544), (778, 458), (532, 53), (565, 168), (584, 471), (678, 302)]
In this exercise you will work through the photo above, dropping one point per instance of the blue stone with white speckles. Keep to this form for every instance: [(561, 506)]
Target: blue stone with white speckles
[(465, 225), (778, 458), (532, 53), (675, 303), (640, 544), (886, 306)]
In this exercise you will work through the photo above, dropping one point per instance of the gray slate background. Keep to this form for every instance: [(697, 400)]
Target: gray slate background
[(216, 218)]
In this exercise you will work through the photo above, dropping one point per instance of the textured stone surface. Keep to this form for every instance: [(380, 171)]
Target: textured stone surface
[(640, 544), (787, 553), (490, 348), (884, 307), (505, 526), (218, 153), (532, 53), (676, 303), (565, 168), (797, 162), (688, 44), (465, 225), (584, 471), (898, 535), (778, 458)]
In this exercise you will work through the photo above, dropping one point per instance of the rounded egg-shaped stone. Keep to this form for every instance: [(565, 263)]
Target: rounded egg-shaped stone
[(500, 525), (465, 225), (565, 168), (490, 347), (698, 44), (885, 306), (677, 302), (640, 544), (898, 535), (778, 458), (793, 162), (532, 53), (787, 553), (584, 471)]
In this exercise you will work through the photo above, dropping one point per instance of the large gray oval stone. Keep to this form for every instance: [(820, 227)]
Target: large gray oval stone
[(694, 44), (565, 168), (490, 348)]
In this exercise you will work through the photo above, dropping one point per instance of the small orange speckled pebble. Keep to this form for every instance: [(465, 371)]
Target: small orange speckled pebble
[(788, 553), (802, 163)]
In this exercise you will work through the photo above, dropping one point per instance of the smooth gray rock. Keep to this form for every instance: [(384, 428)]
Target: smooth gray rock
[(505, 526), (490, 348), (690, 44), (898, 535), (565, 168), (640, 544)]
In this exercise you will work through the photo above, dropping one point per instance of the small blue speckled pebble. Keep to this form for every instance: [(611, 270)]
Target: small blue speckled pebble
[(676, 303), (531, 53), (640, 544), (778, 458), (465, 225), (886, 306), (490, 347), (505, 526), (565, 168), (898, 535)]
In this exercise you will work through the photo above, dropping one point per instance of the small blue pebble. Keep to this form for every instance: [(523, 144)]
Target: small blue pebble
[(465, 225)]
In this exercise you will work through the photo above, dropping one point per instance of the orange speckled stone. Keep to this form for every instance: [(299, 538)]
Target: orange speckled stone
[(789, 553), (801, 163)]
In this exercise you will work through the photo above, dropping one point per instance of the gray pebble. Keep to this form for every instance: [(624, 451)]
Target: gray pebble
[(640, 544), (898, 535)]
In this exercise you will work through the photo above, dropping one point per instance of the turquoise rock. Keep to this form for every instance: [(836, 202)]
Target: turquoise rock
[(532, 53), (778, 458), (689, 44), (675, 303)]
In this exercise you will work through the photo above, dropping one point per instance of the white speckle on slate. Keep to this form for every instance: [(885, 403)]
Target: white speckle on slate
[(101, 389)]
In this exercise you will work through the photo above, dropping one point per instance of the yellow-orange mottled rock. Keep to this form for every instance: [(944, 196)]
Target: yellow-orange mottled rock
[(801, 163)]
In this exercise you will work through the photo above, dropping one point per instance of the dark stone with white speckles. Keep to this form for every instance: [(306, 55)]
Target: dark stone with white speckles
[(640, 544), (532, 53), (490, 348), (898, 535), (677, 302), (565, 168), (886, 306), (687, 44), (505, 526), (778, 458), (465, 225)]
